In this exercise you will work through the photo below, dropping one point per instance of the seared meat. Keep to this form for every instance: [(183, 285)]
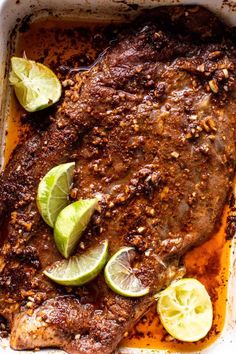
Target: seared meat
[(151, 129)]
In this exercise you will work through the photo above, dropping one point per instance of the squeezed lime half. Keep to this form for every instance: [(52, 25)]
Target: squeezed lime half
[(36, 86), (185, 310)]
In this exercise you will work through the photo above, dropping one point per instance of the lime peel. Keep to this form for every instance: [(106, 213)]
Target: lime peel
[(79, 269)]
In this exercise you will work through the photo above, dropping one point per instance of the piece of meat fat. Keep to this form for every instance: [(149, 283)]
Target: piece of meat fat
[(162, 160)]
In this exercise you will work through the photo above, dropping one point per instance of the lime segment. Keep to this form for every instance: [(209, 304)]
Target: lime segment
[(53, 191), (185, 310), (80, 269), (36, 86), (70, 224), (120, 276)]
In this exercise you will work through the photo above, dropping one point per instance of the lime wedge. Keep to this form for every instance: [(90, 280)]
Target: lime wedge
[(185, 310), (80, 269), (70, 224), (53, 191), (36, 86), (120, 276)]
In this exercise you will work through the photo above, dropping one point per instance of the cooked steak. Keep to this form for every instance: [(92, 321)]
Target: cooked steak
[(151, 128)]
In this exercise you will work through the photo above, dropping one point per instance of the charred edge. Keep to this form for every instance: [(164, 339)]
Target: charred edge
[(231, 227)]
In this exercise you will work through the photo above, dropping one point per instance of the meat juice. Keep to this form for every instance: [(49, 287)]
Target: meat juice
[(69, 48)]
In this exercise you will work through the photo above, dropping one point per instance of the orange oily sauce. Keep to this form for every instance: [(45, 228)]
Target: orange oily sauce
[(14, 128), (209, 263), (56, 42)]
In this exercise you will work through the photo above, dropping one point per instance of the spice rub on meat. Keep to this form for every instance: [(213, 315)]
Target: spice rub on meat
[(151, 128)]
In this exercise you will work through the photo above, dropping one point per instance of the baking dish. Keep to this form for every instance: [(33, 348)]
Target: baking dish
[(13, 11)]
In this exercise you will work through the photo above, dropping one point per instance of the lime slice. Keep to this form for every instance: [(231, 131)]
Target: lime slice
[(53, 191), (80, 269), (120, 276), (185, 310), (70, 224), (36, 86)]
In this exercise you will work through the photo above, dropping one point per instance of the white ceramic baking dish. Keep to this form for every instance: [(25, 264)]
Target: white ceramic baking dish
[(13, 11)]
